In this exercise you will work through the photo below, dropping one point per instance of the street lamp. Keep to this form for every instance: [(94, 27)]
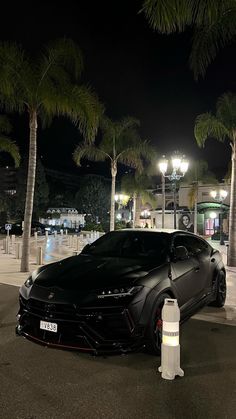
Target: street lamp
[(179, 168), (220, 197)]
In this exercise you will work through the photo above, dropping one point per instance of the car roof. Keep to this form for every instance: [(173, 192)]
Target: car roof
[(153, 230)]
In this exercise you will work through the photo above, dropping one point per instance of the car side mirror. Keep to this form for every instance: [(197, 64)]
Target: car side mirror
[(181, 253)]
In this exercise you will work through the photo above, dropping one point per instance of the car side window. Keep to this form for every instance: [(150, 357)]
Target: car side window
[(192, 244)]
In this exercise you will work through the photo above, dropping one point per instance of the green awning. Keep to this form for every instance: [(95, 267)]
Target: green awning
[(204, 206)]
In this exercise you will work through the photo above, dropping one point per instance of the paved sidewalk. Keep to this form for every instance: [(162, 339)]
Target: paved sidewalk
[(53, 250)]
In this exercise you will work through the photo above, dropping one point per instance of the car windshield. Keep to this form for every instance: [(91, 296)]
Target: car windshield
[(130, 244)]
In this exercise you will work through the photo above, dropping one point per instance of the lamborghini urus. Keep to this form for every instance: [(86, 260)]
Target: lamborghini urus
[(109, 298)]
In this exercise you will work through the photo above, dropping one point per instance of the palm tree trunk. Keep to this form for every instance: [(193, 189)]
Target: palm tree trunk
[(113, 191), (195, 217), (195, 210), (30, 192), (134, 208), (232, 211)]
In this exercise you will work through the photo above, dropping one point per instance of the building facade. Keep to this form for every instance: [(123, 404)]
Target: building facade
[(64, 217)]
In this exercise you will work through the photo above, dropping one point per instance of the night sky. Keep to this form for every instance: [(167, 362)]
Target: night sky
[(133, 70)]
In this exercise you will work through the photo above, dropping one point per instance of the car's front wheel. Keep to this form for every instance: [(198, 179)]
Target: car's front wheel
[(221, 290), (154, 328)]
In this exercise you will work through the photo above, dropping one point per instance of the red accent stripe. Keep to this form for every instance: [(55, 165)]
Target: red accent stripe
[(57, 344)]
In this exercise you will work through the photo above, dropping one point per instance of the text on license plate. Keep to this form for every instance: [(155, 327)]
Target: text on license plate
[(50, 327)]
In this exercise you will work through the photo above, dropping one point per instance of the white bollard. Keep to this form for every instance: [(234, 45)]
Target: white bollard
[(18, 250), (36, 237), (7, 245), (55, 234), (13, 239), (79, 244), (46, 235), (39, 255), (66, 231), (170, 348), (70, 241), (61, 231)]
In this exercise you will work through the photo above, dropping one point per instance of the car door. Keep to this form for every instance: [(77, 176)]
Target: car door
[(187, 274)]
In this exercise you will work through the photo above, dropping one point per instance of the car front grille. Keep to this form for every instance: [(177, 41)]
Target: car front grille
[(56, 311), (90, 328)]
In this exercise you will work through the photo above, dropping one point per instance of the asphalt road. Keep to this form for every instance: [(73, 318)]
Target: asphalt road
[(42, 383)]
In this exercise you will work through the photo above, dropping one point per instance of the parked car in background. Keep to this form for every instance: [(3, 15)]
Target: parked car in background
[(109, 298), (36, 226)]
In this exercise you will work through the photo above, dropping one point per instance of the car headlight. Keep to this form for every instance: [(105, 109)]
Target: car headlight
[(118, 292), (30, 280)]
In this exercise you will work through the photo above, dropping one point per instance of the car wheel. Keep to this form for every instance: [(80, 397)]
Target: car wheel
[(221, 290), (154, 329)]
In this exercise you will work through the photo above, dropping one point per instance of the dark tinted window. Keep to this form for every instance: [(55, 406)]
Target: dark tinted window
[(131, 244), (192, 244)]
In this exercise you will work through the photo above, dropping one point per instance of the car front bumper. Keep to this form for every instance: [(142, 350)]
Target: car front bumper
[(103, 329)]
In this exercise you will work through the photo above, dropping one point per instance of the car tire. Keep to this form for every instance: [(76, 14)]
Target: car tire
[(154, 329), (221, 290)]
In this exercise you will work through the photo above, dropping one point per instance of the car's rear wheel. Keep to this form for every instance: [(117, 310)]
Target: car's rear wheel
[(221, 290), (154, 329)]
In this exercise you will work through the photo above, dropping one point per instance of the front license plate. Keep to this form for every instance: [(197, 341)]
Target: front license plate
[(50, 327)]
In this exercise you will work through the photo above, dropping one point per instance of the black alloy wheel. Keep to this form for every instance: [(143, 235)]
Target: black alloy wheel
[(154, 330), (221, 290)]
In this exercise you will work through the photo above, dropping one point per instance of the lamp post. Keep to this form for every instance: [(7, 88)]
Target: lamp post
[(179, 168), (163, 164), (220, 197)]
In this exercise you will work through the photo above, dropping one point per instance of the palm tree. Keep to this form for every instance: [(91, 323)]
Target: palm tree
[(120, 144), (213, 23), (6, 144), (43, 87), (137, 187), (197, 173), (222, 126)]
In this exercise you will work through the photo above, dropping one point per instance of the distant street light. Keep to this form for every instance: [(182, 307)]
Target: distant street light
[(121, 200), (220, 197), (179, 168), (145, 214)]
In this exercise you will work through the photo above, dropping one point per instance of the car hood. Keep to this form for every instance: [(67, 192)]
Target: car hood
[(86, 272)]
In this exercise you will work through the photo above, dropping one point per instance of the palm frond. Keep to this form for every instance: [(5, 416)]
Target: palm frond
[(79, 104), (10, 147), (168, 16), (214, 24), (88, 152), (207, 125), (5, 125), (148, 198), (226, 110), (114, 129), (64, 53), (209, 38), (138, 185), (136, 153), (131, 157), (15, 76)]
